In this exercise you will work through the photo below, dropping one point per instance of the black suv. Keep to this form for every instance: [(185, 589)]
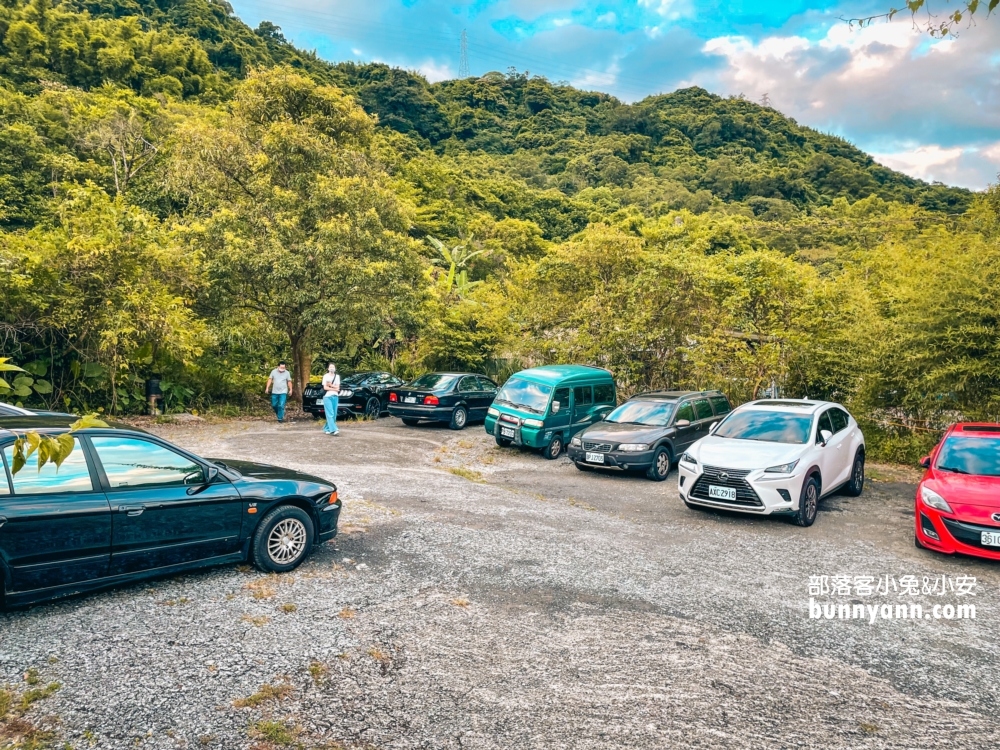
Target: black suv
[(361, 394), (648, 432)]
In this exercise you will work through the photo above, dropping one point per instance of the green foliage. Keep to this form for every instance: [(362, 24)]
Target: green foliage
[(48, 449)]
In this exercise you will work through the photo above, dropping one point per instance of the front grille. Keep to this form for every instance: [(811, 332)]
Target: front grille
[(735, 478), (602, 447), (509, 418), (969, 534)]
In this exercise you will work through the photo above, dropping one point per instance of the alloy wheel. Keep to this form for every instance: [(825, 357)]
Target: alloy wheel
[(663, 464), (373, 408), (286, 541), (811, 500)]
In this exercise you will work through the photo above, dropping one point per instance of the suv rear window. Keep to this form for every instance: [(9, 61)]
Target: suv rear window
[(583, 395), (721, 405), (839, 419), (704, 410)]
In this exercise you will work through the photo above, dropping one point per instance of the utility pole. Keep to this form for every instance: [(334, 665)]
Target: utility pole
[(765, 101), (463, 60)]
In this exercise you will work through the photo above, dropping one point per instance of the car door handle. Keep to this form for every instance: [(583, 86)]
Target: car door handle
[(132, 510), (3, 520)]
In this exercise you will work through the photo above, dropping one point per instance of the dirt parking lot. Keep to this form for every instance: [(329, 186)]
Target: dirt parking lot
[(481, 597)]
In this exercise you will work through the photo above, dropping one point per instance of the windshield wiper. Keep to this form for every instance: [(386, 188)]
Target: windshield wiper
[(954, 469)]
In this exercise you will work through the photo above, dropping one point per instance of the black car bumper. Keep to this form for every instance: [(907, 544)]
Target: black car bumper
[(329, 515), (343, 408), (622, 460), (416, 411)]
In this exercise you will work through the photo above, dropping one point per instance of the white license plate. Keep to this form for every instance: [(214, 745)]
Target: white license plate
[(990, 539), (595, 458), (410, 400), (319, 401), (721, 493), (507, 432)]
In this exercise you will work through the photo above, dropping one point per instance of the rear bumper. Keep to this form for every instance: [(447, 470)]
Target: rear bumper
[(625, 461), (954, 535), (416, 411)]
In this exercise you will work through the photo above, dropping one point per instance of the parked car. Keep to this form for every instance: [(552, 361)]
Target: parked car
[(775, 457), (958, 498), (361, 394), (455, 398), (9, 410), (542, 408), (126, 505), (648, 432)]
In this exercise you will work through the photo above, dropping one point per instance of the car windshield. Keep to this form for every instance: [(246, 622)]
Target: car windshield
[(433, 381), (766, 426), (525, 395), (963, 455), (652, 413), (356, 379)]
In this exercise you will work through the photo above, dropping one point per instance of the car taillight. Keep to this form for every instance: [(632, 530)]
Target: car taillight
[(431, 401), (393, 397), (333, 498)]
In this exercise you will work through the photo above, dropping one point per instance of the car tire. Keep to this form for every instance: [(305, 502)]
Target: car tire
[(660, 468), (459, 418), (856, 486), (410, 421), (916, 541), (283, 539), (504, 442), (373, 409), (808, 503), (553, 450)]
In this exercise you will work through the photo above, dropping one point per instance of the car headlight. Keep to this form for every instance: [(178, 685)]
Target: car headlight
[(576, 441), (934, 500), (782, 468), (533, 423), (687, 458), (633, 447), (346, 394), (493, 412)]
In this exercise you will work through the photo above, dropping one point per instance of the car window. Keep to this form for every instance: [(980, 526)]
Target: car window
[(839, 419), (434, 382), (469, 384), (583, 395), (4, 484), (720, 404), (824, 424), (562, 396), (604, 394), (72, 476), (130, 462), (686, 411), (702, 408), (487, 385)]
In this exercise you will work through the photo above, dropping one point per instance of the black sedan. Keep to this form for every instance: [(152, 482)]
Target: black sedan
[(126, 505), (455, 398), (648, 432), (361, 394)]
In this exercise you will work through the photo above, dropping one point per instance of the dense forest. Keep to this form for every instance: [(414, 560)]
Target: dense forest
[(183, 195)]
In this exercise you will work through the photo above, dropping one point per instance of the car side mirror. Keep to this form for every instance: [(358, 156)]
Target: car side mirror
[(682, 423), (925, 462), (825, 435), (211, 474), (556, 406), (712, 428)]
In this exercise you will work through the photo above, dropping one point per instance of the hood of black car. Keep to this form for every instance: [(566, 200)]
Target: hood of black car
[(254, 470), (613, 432)]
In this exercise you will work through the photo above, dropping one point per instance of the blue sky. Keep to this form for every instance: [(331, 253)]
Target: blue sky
[(928, 108)]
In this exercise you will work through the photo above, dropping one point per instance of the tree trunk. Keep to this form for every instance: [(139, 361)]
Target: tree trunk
[(302, 361)]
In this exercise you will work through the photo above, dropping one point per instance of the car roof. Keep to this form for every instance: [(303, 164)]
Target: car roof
[(553, 374), (975, 429), (790, 405), (10, 426), (672, 395)]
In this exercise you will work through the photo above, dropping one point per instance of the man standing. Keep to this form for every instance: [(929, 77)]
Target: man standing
[(331, 399), (279, 385)]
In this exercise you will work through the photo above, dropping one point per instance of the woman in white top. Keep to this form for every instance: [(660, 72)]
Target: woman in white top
[(331, 384)]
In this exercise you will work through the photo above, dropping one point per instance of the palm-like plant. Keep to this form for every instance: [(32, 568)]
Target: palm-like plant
[(456, 260)]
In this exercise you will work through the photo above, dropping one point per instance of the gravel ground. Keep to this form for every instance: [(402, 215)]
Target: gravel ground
[(486, 598)]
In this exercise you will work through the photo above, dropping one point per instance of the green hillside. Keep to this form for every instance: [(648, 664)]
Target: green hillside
[(186, 196)]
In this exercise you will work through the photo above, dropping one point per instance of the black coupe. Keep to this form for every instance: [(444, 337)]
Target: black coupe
[(361, 394), (126, 505), (455, 398)]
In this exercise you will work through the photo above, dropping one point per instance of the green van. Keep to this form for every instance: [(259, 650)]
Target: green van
[(544, 407)]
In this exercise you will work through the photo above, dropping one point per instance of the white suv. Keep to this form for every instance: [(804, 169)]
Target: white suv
[(775, 457)]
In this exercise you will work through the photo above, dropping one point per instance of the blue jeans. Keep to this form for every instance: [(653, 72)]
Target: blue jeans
[(330, 403), (278, 404)]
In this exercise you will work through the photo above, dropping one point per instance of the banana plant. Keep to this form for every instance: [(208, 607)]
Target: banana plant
[(456, 260)]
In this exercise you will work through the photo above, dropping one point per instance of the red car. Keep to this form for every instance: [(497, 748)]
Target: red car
[(958, 499)]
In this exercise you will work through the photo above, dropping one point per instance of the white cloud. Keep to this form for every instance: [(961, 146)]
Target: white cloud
[(669, 9), (558, 22), (435, 72), (607, 18), (595, 79), (929, 108)]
